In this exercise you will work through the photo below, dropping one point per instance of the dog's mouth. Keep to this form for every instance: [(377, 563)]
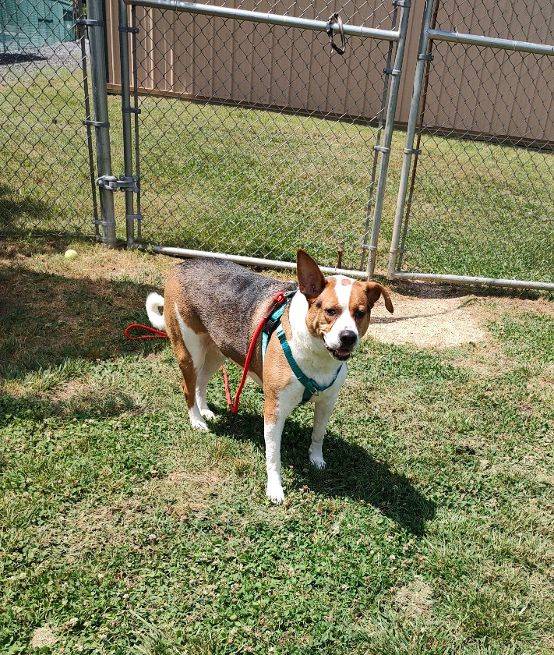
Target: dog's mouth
[(342, 354)]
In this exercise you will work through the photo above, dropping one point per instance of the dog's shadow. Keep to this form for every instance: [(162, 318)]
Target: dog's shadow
[(351, 471)]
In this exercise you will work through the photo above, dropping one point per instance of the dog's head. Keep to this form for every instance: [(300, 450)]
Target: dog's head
[(339, 307)]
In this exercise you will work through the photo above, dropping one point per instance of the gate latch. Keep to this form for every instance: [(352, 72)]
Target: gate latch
[(113, 183)]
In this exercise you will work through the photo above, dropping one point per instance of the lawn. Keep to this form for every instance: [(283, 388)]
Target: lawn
[(261, 183), (123, 531)]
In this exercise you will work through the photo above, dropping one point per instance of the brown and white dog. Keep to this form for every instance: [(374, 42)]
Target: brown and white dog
[(210, 310)]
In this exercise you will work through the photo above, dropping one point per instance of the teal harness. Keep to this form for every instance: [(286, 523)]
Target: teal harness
[(311, 387)]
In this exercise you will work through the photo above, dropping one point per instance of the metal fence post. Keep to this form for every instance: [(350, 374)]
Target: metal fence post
[(98, 61), (384, 147), (126, 111), (422, 60)]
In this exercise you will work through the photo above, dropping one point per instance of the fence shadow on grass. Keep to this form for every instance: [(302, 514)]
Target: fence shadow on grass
[(48, 318), (17, 212), (351, 471)]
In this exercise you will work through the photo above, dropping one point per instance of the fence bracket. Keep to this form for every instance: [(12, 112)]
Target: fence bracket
[(427, 57), (131, 110), (89, 22), (402, 3), (96, 123), (412, 151), (128, 29), (383, 149), (113, 183)]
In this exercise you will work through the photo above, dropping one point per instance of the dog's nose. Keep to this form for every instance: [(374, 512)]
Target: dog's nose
[(348, 338)]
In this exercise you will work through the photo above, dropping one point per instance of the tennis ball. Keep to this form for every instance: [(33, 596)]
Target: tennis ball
[(70, 254)]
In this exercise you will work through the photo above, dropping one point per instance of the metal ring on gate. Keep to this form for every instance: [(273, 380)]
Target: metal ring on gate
[(335, 18)]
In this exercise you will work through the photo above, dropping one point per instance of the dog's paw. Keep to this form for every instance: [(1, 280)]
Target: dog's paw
[(275, 493), (199, 424), (318, 462), (207, 414)]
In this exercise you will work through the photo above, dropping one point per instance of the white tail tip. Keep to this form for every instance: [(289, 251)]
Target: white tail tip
[(154, 309)]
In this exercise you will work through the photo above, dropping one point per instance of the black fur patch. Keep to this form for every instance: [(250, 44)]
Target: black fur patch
[(226, 297)]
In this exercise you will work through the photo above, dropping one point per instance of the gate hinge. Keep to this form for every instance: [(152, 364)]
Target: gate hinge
[(402, 3), (412, 151), (113, 183), (135, 217), (427, 57), (383, 149)]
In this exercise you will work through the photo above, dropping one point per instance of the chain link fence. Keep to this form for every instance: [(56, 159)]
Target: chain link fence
[(257, 139), (45, 175), (480, 197), (239, 136)]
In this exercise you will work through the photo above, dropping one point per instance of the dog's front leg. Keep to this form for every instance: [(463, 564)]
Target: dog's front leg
[(272, 437), (277, 407), (323, 408)]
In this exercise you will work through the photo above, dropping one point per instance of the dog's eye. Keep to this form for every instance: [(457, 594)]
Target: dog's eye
[(359, 314), (331, 312)]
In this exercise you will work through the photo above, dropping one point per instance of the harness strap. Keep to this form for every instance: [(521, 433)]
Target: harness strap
[(311, 387)]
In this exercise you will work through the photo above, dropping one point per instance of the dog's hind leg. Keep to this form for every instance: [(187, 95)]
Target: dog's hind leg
[(212, 361), (190, 349)]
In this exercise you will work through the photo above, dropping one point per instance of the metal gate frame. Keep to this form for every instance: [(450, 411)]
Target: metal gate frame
[(130, 181), (427, 37)]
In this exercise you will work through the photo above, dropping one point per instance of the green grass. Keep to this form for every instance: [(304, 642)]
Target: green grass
[(125, 532), (263, 184)]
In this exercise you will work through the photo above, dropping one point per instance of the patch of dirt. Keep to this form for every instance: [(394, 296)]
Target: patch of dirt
[(428, 322), (486, 358), (439, 317), (42, 637), (88, 529), (543, 385), (414, 599), (70, 390), (188, 492)]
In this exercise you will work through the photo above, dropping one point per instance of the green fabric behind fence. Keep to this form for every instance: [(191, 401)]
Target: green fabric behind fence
[(30, 24)]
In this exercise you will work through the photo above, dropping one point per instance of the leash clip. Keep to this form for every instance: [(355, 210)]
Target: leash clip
[(336, 19)]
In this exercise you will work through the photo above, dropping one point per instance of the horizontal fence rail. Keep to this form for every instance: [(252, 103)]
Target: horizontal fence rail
[(267, 18), (491, 42)]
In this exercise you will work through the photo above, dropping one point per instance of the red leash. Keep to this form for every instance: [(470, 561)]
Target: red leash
[(278, 299), (151, 333), (233, 405)]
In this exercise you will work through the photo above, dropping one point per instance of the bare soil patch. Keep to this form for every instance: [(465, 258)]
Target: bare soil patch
[(428, 322), (414, 599), (43, 637)]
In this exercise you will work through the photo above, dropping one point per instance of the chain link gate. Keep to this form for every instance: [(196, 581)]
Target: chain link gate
[(482, 212), (242, 168)]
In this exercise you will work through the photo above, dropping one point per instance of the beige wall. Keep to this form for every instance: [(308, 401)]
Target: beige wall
[(471, 89)]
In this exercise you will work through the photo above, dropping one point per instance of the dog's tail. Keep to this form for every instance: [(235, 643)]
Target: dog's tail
[(154, 309)]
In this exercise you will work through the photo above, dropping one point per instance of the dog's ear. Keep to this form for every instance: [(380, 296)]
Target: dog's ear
[(310, 279), (375, 290)]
